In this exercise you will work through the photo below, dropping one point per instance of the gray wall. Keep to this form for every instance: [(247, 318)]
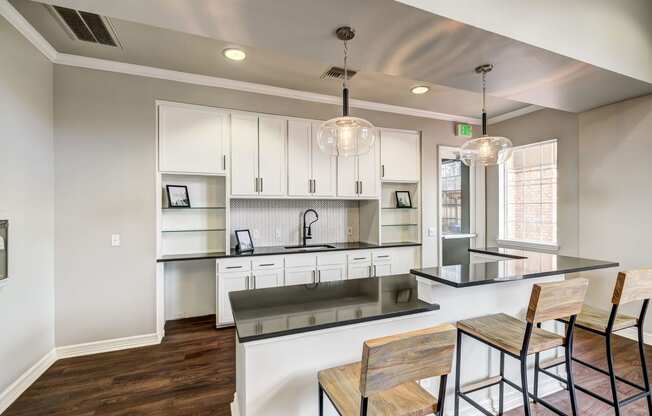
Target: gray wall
[(535, 127), (105, 183), (615, 198), (26, 181)]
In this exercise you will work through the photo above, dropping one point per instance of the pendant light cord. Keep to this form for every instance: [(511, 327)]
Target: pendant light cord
[(345, 88), (484, 111)]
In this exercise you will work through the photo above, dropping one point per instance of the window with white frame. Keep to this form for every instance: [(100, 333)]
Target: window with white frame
[(528, 195)]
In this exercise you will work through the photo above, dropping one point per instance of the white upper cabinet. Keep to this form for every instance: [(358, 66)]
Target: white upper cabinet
[(359, 176), (299, 163), (244, 154), (272, 166), (310, 171), (324, 168), (400, 155), (192, 139)]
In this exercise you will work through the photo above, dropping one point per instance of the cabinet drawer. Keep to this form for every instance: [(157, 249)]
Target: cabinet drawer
[(381, 256), (359, 257), (300, 260), (267, 263), (331, 258), (233, 265)]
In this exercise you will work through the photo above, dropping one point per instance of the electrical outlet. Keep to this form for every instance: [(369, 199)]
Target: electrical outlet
[(349, 231), (255, 233), (115, 240), (432, 232), (277, 234)]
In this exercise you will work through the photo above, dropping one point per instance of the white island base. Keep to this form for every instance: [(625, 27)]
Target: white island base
[(278, 376)]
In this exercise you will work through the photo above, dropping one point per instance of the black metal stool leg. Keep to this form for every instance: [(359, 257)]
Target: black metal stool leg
[(570, 384), (612, 374), (501, 386), (458, 370), (646, 380), (321, 400), (536, 377), (526, 401)]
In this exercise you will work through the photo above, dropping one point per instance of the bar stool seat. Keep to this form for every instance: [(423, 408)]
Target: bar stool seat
[(341, 385), (507, 333), (598, 320)]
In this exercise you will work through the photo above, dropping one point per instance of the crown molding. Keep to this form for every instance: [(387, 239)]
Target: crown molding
[(27, 30), (513, 114)]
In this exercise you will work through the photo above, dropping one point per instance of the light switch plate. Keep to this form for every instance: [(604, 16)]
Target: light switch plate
[(115, 240), (349, 231), (432, 232)]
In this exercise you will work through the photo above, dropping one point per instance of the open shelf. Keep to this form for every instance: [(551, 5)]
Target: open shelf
[(400, 225)]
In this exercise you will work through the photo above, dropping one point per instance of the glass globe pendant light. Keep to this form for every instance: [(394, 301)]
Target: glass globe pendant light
[(346, 136), (485, 150)]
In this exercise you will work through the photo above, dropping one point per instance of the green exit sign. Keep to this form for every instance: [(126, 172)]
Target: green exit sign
[(464, 130)]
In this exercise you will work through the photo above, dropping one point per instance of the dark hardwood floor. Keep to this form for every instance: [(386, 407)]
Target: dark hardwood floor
[(193, 373)]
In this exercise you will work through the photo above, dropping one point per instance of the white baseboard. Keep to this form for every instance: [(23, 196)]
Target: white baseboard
[(11, 393), (235, 409), (108, 345)]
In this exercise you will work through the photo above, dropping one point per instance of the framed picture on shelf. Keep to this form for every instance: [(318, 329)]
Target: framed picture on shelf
[(178, 196), (403, 199), (244, 241)]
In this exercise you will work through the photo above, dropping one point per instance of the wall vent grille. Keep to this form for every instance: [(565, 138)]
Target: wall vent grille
[(86, 26), (336, 72)]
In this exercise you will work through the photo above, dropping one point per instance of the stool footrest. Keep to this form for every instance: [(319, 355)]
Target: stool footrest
[(553, 362), (482, 384)]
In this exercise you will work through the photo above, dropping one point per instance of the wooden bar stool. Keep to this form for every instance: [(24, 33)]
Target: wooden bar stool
[(384, 382), (635, 285), (518, 339)]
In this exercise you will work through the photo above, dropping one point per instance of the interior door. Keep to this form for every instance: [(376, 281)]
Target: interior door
[(271, 151), (244, 154), (192, 139), (299, 164), (369, 172), (347, 176), (324, 168), (229, 282)]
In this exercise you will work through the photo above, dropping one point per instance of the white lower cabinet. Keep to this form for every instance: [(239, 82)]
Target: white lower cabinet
[(331, 273), (300, 269), (228, 282), (300, 275)]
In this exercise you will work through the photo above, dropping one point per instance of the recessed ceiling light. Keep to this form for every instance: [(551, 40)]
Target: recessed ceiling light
[(420, 89), (234, 54)]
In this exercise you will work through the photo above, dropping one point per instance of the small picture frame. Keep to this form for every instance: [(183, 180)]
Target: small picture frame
[(244, 241), (403, 199), (178, 196)]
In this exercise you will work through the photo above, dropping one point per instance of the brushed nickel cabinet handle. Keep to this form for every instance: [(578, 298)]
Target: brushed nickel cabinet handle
[(360, 187), (234, 267), (224, 162), (254, 279), (247, 283), (382, 171), (261, 185)]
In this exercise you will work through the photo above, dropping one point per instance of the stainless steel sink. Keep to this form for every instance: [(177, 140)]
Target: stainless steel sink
[(309, 247)]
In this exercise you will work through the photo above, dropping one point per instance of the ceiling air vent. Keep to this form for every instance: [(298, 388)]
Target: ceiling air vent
[(336, 72), (89, 27)]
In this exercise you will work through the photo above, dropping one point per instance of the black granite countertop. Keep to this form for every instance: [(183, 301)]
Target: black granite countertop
[(277, 250), (515, 265), (274, 312)]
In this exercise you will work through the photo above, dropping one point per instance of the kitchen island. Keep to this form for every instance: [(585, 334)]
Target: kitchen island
[(286, 335)]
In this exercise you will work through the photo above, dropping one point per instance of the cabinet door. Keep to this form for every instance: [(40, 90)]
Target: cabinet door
[(369, 172), (359, 270), (399, 154), (383, 268), (324, 168), (228, 282), (299, 276), (299, 169), (347, 176), (267, 278), (271, 156), (331, 273), (244, 154), (192, 139)]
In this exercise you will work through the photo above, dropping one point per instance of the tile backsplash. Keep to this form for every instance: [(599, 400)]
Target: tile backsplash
[(278, 222)]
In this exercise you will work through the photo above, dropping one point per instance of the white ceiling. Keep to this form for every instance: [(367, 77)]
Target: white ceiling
[(291, 42)]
